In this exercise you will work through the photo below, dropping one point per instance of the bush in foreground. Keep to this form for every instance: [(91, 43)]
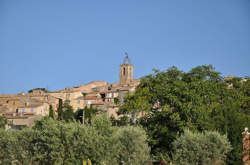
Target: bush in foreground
[(59, 142), (200, 148)]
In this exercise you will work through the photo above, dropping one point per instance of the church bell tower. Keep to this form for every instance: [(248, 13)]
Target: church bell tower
[(126, 71)]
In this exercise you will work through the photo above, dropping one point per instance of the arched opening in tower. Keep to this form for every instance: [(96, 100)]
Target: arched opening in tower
[(124, 71)]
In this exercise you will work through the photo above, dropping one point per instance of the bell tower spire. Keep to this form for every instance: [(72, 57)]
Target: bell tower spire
[(126, 71)]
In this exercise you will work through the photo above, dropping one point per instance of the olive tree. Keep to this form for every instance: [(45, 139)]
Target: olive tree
[(200, 148)]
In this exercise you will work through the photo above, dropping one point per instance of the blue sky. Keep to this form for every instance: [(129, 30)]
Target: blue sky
[(64, 43)]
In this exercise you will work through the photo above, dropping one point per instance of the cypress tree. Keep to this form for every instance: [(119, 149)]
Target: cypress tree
[(51, 112)]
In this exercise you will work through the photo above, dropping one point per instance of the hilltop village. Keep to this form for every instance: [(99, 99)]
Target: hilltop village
[(23, 109)]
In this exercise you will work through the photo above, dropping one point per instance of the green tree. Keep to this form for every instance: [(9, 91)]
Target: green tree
[(67, 112), (116, 101), (174, 100), (200, 148), (89, 113), (79, 115), (59, 142), (16, 146), (42, 89), (3, 122), (133, 149), (230, 119), (162, 129), (86, 113), (51, 112), (60, 110)]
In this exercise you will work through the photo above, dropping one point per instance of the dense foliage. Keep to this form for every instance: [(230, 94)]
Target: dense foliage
[(198, 100), (200, 148), (86, 113), (42, 89), (67, 112), (51, 112), (171, 101), (59, 142), (3, 121)]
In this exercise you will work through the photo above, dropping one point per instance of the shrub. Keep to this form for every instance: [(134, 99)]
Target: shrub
[(60, 142), (15, 146), (200, 148), (134, 150)]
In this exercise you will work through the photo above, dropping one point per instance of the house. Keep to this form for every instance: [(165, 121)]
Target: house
[(23, 110)]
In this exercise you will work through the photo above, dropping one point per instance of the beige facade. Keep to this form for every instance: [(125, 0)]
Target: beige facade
[(126, 72), (24, 109), (100, 94), (22, 120)]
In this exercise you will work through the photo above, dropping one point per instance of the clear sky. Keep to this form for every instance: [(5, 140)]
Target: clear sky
[(64, 43)]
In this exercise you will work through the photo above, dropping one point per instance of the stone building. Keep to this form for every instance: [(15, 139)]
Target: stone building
[(100, 94), (126, 72), (23, 109)]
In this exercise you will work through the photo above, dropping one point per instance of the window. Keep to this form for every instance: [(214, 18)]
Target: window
[(124, 71), (89, 102), (122, 97), (10, 110), (14, 102), (23, 110), (67, 95), (96, 89), (78, 101), (103, 95), (32, 110)]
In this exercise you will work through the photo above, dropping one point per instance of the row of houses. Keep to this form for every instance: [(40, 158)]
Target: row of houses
[(23, 109)]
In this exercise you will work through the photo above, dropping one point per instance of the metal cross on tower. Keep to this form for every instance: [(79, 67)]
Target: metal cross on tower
[(126, 59)]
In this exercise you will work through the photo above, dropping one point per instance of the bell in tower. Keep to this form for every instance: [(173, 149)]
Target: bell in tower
[(126, 71)]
